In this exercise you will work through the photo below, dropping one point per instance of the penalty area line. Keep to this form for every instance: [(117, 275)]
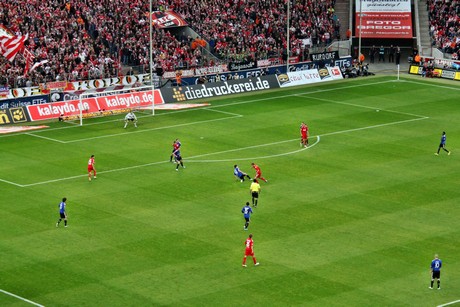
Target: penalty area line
[(12, 183), (21, 298), (259, 157), (450, 303), (190, 159)]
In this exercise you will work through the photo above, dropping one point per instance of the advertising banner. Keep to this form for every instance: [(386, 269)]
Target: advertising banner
[(457, 76), (4, 90), (94, 105), (277, 69), (21, 102), (299, 78), (14, 116), (242, 65), (330, 73), (437, 72), (217, 89), (115, 83), (325, 56), (383, 18), (310, 76), (211, 70)]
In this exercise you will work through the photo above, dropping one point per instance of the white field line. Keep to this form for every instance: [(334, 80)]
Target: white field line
[(309, 91), (259, 157), (241, 148), (208, 108), (152, 129), (12, 183), (164, 162), (223, 112), (190, 159), (375, 126), (234, 116), (44, 137), (434, 85), (21, 298), (76, 124), (450, 303), (361, 106)]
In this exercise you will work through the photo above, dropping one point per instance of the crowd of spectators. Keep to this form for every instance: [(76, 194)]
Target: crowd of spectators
[(89, 39), (250, 29), (444, 18)]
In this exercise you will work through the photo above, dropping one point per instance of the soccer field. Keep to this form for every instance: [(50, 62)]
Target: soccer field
[(353, 220)]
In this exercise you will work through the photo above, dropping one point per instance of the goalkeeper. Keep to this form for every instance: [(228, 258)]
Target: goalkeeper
[(130, 117)]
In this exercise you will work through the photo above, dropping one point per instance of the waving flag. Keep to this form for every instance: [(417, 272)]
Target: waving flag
[(29, 57), (10, 46)]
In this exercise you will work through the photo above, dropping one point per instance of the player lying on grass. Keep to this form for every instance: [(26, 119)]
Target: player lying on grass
[(239, 173)]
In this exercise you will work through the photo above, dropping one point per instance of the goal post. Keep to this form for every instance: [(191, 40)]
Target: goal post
[(112, 102)]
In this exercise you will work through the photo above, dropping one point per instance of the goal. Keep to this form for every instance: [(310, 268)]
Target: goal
[(112, 102)]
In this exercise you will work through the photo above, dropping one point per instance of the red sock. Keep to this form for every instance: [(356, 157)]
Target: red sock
[(254, 259), (244, 260), (94, 173)]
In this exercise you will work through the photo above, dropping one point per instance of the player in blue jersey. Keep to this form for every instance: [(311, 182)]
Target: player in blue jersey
[(239, 173), (442, 144), (435, 269), (247, 211), (178, 159), (62, 213)]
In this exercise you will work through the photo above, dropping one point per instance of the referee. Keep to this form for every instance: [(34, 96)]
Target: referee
[(255, 191)]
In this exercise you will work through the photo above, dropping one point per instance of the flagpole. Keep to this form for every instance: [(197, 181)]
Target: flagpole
[(360, 24), (151, 57), (287, 36)]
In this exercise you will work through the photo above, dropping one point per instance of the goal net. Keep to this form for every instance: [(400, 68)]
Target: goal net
[(113, 102)]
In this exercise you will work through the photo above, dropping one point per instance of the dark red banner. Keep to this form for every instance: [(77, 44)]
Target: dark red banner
[(384, 25)]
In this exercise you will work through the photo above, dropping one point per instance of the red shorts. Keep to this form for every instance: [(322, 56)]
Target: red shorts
[(90, 168), (258, 175), (304, 137), (249, 252)]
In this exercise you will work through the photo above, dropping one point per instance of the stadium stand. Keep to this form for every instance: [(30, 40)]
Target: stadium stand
[(444, 18), (88, 39)]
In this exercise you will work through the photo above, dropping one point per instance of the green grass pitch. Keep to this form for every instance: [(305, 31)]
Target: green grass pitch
[(353, 220)]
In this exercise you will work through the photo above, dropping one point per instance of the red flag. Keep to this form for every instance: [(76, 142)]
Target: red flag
[(11, 45), (29, 57)]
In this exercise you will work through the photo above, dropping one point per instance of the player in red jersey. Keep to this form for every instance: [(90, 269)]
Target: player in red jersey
[(91, 167), (258, 172), (304, 135), (249, 243), (176, 146)]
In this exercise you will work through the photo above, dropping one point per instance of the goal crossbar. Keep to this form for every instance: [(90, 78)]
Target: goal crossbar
[(97, 104)]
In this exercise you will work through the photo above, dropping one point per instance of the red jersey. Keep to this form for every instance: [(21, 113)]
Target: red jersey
[(91, 164), (304, 130), (249, 247), (257, 168)]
